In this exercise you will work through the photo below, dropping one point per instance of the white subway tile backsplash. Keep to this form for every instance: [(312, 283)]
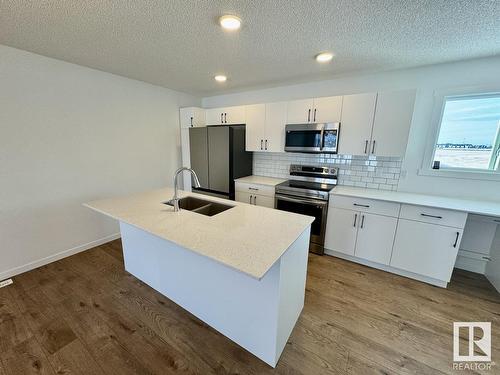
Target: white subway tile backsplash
[(364, 171)]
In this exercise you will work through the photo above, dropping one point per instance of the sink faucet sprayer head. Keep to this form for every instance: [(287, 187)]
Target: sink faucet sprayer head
[(196, 181)]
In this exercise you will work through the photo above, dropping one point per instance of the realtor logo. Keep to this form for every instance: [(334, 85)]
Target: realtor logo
[(479, 337)]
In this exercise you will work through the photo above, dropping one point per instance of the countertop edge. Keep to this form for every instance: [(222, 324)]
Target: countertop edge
[(449, 203), (272, 181), (255, 276), (186, 248)]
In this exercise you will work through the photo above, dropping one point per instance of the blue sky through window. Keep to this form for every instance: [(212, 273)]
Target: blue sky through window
[(470, 121)]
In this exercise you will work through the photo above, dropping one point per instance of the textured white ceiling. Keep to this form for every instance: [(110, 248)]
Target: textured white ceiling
[(178, 44)]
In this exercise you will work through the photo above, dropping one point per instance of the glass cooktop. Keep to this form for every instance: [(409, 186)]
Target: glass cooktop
[(308, 185)]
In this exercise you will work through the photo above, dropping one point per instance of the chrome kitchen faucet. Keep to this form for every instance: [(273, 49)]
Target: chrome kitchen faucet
[(175, 200)]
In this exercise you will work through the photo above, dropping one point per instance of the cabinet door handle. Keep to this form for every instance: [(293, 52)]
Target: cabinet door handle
[(191, 121), (361, 205), (266, 144), (373, 147), (362, 221), (255, 200), (252, 188), (433, 216), (222, 118), (496, 221), (225, 119), (366, 146), (314, 116), (250, 199), (355, 219), (486, 258), (456, 240), (309, 115), (261, 141)]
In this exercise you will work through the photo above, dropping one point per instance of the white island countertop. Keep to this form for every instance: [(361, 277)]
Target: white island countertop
[(247, 238), (479, 207)]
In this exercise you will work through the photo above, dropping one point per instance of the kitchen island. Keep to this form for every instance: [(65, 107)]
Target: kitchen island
[(242, 271)]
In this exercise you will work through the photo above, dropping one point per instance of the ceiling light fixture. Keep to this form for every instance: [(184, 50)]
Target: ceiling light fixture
[(324, 57), (230, 22), (220, 78)]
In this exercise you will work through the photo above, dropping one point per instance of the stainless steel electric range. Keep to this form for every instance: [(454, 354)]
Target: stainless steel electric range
[(308, 195)]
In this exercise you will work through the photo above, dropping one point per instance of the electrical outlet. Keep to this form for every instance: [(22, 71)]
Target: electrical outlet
[(6, 283)]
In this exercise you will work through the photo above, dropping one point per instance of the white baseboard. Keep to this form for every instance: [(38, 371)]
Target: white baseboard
[(52, 258)]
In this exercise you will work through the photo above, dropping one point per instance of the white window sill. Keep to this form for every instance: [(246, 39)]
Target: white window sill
[(461, 174)]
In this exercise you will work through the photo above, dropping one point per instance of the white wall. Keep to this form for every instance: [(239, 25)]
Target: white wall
[(68, 135), (426, 80)]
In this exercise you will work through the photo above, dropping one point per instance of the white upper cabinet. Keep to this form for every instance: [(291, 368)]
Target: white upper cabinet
[(356, 124), (265, 127), (371, 123), (214, 116), (300, 111), (192, 117), (327, 109), (392, 122), (234, 115), (275, 126), (225, 115), (255, 127)]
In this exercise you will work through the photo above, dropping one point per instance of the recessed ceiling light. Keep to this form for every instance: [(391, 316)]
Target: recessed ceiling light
[(324, 57), (230, 22), (220, 78)]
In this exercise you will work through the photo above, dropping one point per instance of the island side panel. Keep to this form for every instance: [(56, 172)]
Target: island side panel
[(240, 307), (293, 272)]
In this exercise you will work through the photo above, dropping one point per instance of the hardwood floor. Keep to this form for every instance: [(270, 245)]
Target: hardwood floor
[(86, 315)]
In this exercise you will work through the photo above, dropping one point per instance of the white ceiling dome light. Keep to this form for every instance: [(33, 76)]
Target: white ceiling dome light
[(220, 78), (230, 23), (324, 57)]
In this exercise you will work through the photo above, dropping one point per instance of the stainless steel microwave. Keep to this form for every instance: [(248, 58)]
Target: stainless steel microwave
[(314, 138)]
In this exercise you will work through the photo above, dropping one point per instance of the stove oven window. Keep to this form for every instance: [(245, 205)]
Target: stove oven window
[(304, 209)]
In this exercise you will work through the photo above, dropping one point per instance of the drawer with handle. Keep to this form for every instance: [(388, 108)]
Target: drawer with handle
[(433, 215), (365, 205), (257, 189)]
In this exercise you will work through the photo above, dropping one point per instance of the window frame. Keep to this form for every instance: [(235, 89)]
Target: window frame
[(440, 98)]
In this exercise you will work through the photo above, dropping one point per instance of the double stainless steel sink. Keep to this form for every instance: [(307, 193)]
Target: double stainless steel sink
[(201, 206)]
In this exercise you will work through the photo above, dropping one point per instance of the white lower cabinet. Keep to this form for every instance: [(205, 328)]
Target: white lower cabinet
[(240, 196), (419, 242), (426, 249), (263, 201), (359, 234), (376, 237), (255, 199), (256, 194), (341, 230)]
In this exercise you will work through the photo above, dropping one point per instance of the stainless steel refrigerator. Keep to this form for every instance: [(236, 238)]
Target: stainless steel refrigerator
[(218, 157)]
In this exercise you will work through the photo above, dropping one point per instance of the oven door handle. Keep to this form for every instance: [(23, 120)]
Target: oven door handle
[(305, 201)]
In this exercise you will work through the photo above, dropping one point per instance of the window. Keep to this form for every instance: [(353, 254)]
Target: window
[(469, 134)]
